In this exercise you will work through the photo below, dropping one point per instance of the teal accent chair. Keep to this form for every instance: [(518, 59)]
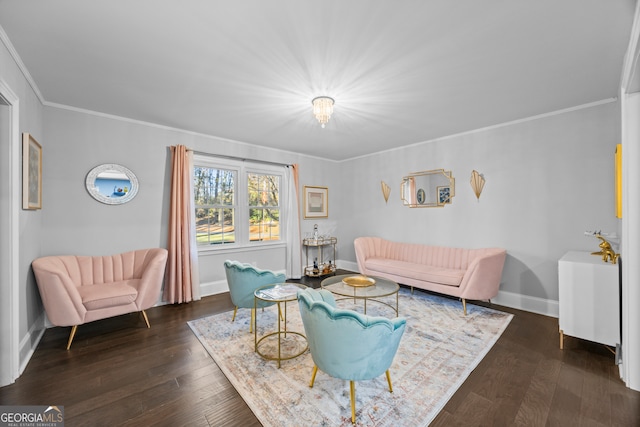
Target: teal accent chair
[(346, 344), (243, 280)]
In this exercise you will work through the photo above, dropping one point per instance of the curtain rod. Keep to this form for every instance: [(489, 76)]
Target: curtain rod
[(242, 159)]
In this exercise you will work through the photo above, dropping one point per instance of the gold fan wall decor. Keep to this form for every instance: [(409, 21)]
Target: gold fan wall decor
[(477, 183), (386, 190)]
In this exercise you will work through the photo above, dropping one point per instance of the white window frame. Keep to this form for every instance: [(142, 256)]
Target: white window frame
[(241, 200)]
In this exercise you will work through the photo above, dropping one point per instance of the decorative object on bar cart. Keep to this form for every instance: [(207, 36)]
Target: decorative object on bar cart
[(316, 243)]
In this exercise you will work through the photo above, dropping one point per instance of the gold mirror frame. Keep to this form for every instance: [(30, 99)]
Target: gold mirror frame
[(427, 189)]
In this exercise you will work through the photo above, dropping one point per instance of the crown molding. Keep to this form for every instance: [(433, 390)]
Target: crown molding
[(500, 125), (182, 131), (23, 68), (630, 65)]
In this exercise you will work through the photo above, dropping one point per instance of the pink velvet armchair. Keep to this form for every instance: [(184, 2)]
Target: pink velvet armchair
[(80, 289)]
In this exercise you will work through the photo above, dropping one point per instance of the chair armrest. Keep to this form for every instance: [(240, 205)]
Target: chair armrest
[(59, 294)]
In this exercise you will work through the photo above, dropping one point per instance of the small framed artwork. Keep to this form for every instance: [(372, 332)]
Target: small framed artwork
[(316, 202), (31, 172), (444, 195)]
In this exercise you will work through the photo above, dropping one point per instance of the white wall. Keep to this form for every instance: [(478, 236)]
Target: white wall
[(75, 223), (29, 309), (548, 180)]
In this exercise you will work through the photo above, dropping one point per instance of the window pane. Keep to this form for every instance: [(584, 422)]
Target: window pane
[(263, 189), (215, 226), (213, 193), (264, 224), (264, 211), (213, 186)]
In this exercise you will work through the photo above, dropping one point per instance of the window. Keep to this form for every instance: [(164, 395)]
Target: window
[(215, 205), (236, 203), (264, 207)]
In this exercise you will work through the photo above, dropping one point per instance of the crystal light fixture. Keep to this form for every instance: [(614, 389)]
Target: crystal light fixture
[(322, 108)]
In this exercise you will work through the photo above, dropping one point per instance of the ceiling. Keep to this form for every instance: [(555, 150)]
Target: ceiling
[(401, 72)]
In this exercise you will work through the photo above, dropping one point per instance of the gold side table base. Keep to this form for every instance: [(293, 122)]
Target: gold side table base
[(279, 357), (281, 320)]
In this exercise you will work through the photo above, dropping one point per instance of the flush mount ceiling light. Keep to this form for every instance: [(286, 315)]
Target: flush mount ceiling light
[(322, 109)]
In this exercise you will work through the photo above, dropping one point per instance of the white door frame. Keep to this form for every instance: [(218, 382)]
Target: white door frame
[(630, 138), (9, 243)]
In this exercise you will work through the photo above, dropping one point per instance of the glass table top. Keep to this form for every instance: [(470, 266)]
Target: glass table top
[(381, 287), (279, 292)]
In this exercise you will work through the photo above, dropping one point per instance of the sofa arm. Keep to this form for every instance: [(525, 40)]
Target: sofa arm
[(60, 296), (481, 281), (365, 247)]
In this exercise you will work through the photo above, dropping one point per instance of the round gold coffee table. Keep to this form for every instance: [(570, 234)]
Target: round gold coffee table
[(361, 288), (279, 293)]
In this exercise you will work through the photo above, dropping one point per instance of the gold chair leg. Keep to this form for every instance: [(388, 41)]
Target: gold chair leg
[(253, 317), (352, 386), (389, 381), (464, 306), (146, 319), (73, 333), (313, 375)]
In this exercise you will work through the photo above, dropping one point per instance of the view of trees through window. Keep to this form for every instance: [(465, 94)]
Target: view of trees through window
[(217, 204), (264, 207)]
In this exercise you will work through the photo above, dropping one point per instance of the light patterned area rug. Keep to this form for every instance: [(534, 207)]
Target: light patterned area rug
[(439, 349)]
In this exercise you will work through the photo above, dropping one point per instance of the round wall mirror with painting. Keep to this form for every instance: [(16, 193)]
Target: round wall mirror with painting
[(112, 184)]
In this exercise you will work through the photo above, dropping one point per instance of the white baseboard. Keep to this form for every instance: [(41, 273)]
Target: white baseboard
[(347, 265), (213, 288), (30, 342), (524, 302)]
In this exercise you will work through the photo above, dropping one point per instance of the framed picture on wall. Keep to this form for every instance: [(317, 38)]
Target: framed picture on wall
[(316, 202), (31, 172)]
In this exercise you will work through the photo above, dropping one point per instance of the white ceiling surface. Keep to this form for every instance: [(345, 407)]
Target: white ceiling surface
[(401, 72)]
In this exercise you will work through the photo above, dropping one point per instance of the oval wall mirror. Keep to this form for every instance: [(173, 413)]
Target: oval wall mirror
[(112, 184)]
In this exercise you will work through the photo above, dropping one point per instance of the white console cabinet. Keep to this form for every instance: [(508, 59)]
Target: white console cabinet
[(589, 298)]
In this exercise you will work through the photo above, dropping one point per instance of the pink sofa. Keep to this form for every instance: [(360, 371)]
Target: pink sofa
[(464, 273), (81, 289)]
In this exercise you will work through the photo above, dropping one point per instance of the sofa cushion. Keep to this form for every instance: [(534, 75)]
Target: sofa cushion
[(107, 295), (428, 273)]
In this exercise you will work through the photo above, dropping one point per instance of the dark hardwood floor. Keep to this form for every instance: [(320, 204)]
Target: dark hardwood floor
[(120, 373)]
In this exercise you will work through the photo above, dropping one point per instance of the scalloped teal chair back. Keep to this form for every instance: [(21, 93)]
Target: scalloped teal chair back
[(243, 280), (346, 344)]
